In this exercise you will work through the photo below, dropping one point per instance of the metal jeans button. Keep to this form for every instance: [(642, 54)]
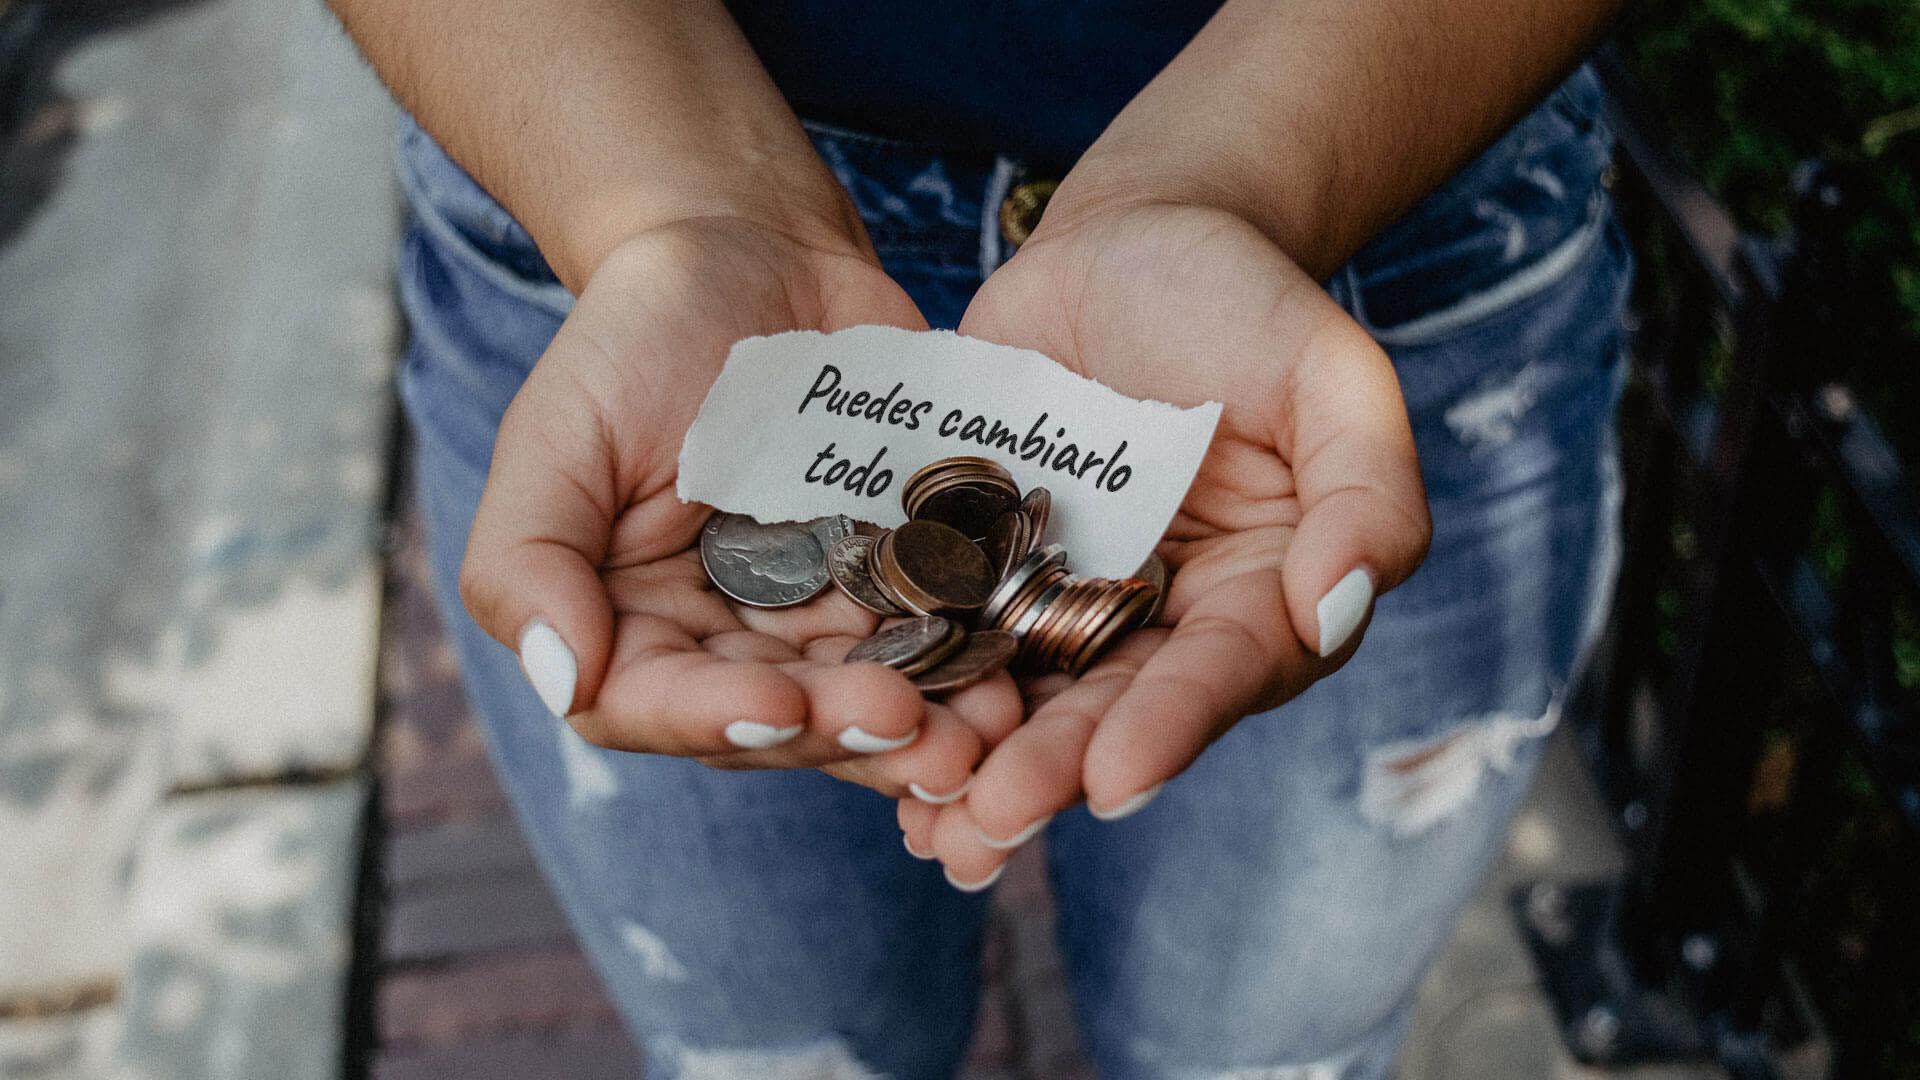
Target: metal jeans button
[(1020, 211)]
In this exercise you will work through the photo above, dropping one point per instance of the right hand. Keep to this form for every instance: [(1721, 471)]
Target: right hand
[(580, 529)]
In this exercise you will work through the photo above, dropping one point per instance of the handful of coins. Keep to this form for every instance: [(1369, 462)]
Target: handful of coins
[(968, 567)]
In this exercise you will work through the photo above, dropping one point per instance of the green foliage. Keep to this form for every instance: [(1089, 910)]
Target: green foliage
[(1750, 88)]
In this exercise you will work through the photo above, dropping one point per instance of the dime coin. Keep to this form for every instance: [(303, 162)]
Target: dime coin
[(847, 563), (1154, 573), (769, 565), (934, 568), (1012, 584), (910, 647), (985, 652)]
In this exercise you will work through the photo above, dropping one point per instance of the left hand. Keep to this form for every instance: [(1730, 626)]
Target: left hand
[(1311, 476)]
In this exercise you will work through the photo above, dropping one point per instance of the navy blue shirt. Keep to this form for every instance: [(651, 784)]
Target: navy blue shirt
[(1040, 80)]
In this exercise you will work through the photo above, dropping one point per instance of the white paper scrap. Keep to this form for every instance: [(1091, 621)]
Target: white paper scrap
[(804, 424)]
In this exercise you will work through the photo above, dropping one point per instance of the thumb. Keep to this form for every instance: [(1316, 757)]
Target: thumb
[(531, 576), (1364, 525)]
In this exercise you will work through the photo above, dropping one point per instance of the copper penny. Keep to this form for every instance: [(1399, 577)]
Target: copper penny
[(1038, 506), (940, 570), (985, 652), (1009, 542)]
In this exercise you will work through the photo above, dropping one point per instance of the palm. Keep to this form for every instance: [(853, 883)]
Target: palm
[(1187, 305), (589, 449)]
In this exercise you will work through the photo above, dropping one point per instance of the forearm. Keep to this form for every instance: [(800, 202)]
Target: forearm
[(591, 122), (1322, 120)]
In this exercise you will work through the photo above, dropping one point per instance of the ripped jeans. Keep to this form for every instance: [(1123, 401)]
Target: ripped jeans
[(1271, 913)]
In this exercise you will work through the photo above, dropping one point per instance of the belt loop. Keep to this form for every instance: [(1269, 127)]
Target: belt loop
[(1005, 173)]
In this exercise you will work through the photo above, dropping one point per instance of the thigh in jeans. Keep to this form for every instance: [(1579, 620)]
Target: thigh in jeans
[(1272, 912), (746, 923)]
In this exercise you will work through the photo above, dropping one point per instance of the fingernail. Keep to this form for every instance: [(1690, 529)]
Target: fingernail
[(975, 886), (1130, 806), (549, 666), (756, 736), (926, 796), (1018, 838), (1341, 610), (909, 846), (862, 743)]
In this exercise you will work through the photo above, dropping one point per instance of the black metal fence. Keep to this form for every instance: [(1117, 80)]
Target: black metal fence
[(1755, 717)]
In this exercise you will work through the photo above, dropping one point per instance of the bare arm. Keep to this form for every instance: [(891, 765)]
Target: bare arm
[(1320, 121), (591, 122)]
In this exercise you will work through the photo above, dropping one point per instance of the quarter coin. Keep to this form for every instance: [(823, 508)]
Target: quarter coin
[(769, 565), (983, 653)]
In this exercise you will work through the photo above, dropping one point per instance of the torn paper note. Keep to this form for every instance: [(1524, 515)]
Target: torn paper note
[(805, 424)]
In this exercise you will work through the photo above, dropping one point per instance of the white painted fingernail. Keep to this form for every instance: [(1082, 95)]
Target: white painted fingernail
[(549, 666), (862, 743), (909, 846), (1130, 806), (927, 796), (756, 736), (976, 886), (1018, 838), (1341, 610)]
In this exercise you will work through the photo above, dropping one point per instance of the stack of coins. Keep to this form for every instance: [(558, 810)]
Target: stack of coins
[(969, 556), (967, 493), (1065, 622)]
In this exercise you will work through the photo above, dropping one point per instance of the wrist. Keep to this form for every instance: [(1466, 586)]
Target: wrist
[(1283, 204), (788, 194)]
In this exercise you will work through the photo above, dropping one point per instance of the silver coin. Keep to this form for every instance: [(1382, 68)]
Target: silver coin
[(910, 647), (1154, 573), (847, 562), (1010, 586), (769, 565)]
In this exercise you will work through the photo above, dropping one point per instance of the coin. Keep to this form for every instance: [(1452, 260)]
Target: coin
[(1009, 542), (1128, 616), (934, 568), (1154, 573), (969, 507), (983, 653), (1038, 506), (1012, 584), (769, 565), (847, 563), (910, 647)]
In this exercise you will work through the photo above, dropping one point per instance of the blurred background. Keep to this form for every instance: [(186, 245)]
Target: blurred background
[(246, 830)]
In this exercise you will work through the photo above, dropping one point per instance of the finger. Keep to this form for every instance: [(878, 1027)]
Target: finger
[(664, 694), (1364, 524), (531, 575), (1036, 771), (916, 826), (993, 708), (971, 866), (1231, 654), (935, 768), (854, 709)]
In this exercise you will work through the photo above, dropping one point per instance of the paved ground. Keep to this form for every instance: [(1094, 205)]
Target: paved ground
[(196, 215)]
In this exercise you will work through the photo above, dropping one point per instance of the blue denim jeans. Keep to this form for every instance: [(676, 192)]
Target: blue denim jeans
[(1271, 913)]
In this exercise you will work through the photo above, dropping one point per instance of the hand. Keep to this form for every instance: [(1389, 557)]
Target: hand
[(580, 531), (1311, 477)]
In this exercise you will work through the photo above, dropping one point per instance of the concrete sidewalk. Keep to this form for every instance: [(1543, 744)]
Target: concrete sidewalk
[(195, 349)]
